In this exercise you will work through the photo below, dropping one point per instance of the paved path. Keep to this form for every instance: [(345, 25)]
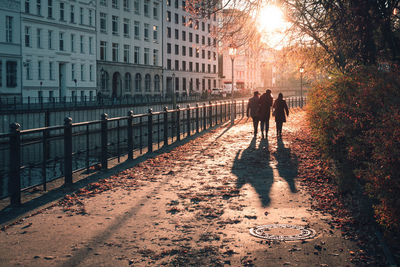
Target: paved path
[(192, 206)]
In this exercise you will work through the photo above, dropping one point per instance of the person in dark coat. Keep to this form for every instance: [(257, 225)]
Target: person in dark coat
[(280, 107), (252, 110), (264, 111)]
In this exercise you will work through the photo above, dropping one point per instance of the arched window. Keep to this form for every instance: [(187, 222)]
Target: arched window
[(156, 83), (147, 83), (104, 81), (138, 82), (128, 81)]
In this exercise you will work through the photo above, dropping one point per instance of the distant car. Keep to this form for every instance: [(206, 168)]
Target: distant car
[(216, 91)]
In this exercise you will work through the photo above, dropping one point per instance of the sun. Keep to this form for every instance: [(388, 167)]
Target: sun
[(271, 19)]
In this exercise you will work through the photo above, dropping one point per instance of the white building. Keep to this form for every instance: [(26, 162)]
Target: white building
[(190, 53), (129, 40), (10, 49), (58, 48)]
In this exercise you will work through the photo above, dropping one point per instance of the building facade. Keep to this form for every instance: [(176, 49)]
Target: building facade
[(129, 40), (10, 49), (190, 51), (58, 49)]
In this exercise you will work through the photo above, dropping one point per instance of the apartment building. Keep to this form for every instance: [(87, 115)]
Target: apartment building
[(10, 49), (190, 51), (129, 40), (58, 48)]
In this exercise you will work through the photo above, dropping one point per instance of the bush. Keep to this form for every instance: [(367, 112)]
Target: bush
[(356, 120)]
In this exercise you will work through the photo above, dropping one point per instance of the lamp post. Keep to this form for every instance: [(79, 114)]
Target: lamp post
[(301, 85), (173, 92), (232, 54)]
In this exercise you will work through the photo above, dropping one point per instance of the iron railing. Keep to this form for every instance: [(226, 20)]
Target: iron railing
[(35, 157)]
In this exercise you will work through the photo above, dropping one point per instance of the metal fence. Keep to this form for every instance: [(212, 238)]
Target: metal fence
[(35, 157)]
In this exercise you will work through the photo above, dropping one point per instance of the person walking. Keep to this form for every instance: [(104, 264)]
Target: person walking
[(264, 112), (280, 107), (252, 110)]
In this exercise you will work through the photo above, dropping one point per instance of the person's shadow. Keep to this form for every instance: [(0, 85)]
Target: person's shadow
[(252, 166), (287, 164)]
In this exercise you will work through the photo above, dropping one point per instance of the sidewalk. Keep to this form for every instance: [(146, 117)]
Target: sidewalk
[(192, 206)]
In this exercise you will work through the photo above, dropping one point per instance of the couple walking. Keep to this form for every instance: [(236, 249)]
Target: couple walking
[(259, 109)]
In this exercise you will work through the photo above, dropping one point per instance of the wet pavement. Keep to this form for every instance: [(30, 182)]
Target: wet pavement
[(192, 206)]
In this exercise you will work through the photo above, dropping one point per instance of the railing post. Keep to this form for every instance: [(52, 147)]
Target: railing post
[(14, 183), (178, 123), (205, 117), (150, 131), (242, 108), (197, 118), (68, 151), (210, 114), (130, 135), (188, 120), (165, 126), (104, 141)]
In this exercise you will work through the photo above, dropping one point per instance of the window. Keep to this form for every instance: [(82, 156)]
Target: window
[(146, 8), (103, 22), (115, 4), (146, 32), (177, 64), (146, 56), (147, 83), (28, 70), (209, 41), (168, 32), (115, 47), (126, 53), (176, 3), (203, 53), (72, 14), (73, 71), (104, 80), (50, 8), (103, 2), (208, 54), (183, 4), (203, 67), (138, 82), (128, 82), (126, 27), (183, 50), (9, 29), (91, 45), (72, 42), (197, 67), (176, 84), (137, 30), (190, 37), (184, 84), (126, 5), (183, 21), (214, 68), (115, 25), (176, 18), (190, 66), (81, 15), (27, 6), (169, 16), (197, 38), (103, 50), (11, 73), (62, 17), (184, 65), (51, 72), (82, 47), (203, 40), (197, 52), (27, 36), (155, 57), (40, 69), (156, 83), (168, 64), (137, 55), (90, 17), (91, 72), (208, 68), (203, 26), (190, 52), (176, 34), (183, 36), (155, 34), (61, 41), (39, 7), (136, 6), (176, 49), (155, 10), (168, 2), (168, 48), (82, 72)]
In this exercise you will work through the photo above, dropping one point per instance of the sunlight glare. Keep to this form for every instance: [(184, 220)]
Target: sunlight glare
[(271, 18)]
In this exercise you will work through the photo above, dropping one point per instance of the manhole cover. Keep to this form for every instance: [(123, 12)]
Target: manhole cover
[(282, 232)]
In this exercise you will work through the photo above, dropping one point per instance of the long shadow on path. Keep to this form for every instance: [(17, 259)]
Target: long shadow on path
[(252, 166)]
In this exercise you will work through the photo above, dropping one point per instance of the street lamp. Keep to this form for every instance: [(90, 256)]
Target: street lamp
[(232, 54), (301, 85)]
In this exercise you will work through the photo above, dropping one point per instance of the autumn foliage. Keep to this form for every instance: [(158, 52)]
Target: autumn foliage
[(355, 119)]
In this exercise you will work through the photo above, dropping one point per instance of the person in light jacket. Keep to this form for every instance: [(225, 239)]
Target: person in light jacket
[(252, 110), (280, 108)]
